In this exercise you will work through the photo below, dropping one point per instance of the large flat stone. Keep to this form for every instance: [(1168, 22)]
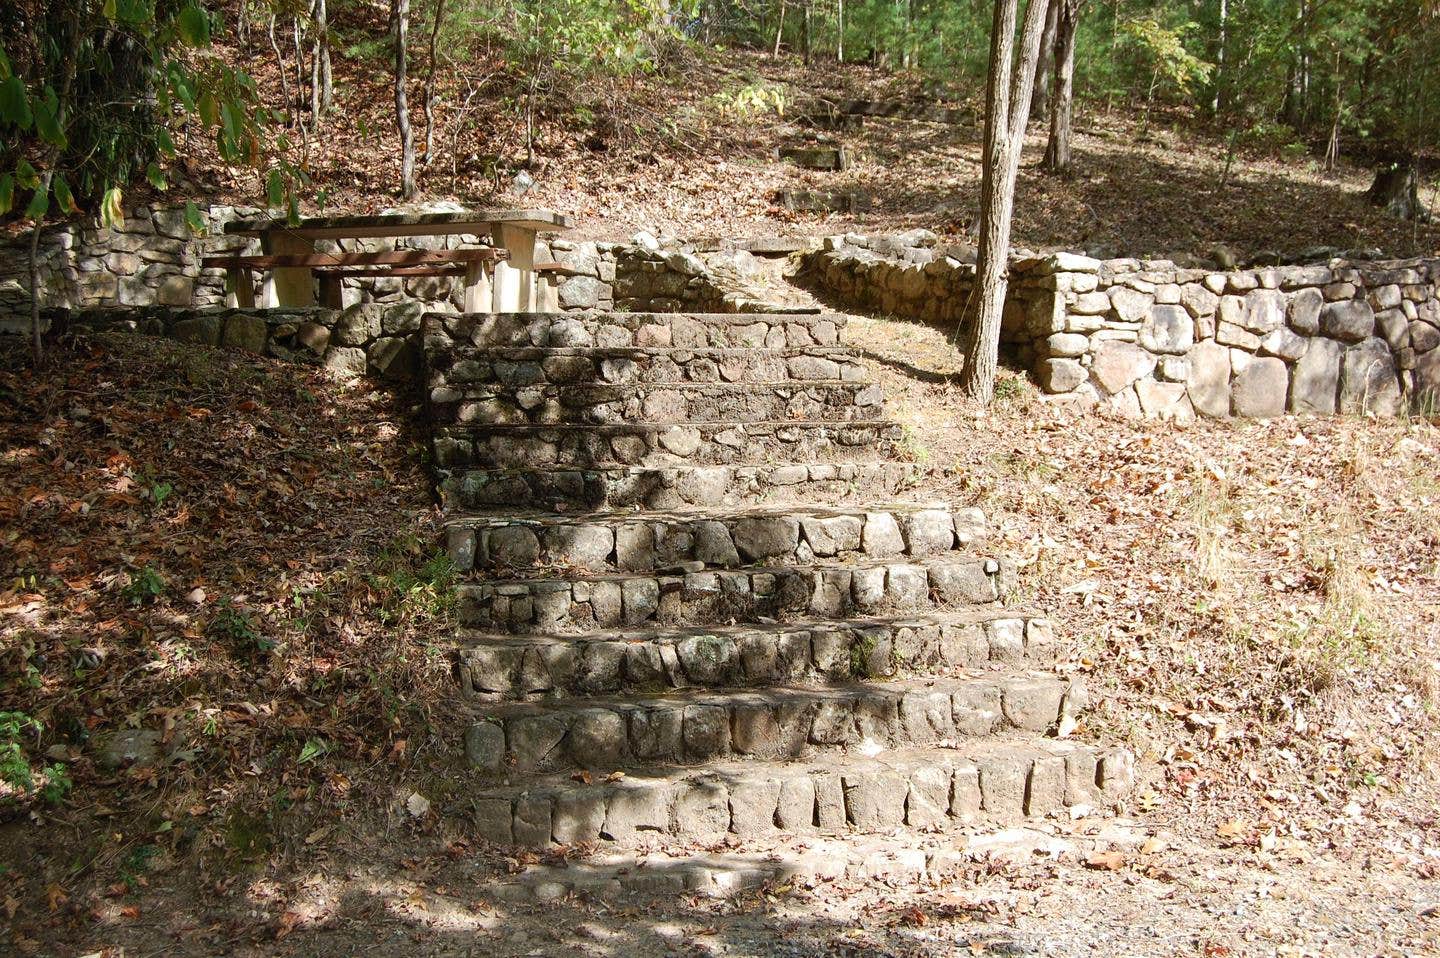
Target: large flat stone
[(1209, 381)]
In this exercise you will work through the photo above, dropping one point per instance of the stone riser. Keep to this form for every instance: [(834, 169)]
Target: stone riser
[(501, 668), (656, 543), (514, 368), (920, 791), (605, 405), (766, 725), (676, 487), (612, 330), (701, 598), (541, 447)]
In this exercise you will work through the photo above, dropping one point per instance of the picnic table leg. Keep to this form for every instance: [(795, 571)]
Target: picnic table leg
[(515, 278), (240, 288), (479, 294), (288, 286)]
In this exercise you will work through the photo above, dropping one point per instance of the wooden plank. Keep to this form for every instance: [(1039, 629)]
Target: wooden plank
[(479, 291), (288, 285), (240, 288), (395, 271), (399, 257), (405, 224)]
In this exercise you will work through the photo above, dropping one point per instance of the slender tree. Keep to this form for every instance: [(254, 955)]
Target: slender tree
[(1062, 98), (1007, 108), (400, 25)]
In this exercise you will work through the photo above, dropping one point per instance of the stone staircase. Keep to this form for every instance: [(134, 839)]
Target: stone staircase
[(698, 609)]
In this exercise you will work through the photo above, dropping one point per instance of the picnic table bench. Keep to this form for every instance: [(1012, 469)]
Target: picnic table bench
[(499, 278)]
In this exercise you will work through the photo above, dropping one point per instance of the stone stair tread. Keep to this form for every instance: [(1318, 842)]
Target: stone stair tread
[(579, 489), (545, 352), (505, 667), (467, 638), (682, 385), (509, 516), (633, 427), (771, 694), (915, 789), (788, 861), (953, 557)]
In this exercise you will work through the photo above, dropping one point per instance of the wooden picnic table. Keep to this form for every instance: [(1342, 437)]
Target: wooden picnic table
[(512, 288)]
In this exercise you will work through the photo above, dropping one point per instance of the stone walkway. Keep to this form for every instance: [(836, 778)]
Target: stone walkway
[(699, 612)]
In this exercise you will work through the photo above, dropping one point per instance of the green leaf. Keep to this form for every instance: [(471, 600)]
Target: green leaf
[(313, 749), (275, 189), (109, 10), (15, 103), (193, 219), (63, 197), (194, 26), (156, 177), (26, 175), (164, 143), (39, 204), (209, 108), (7, 192), (47, 124), (111, 212), (294, 214)]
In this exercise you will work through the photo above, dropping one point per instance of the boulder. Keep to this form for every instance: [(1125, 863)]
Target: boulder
[(1118, 364), (1350, 320), (1368, 379), (1305, 309), (246, 332), (1259, 390), (1317, 377), (1208, 384), (1264, 310), (1168, 329)]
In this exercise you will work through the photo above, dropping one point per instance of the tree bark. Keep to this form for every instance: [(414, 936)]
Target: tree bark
[(400, 15), (430, 84), (322, 89), (1062, 103), (1007, 96), (1044, 63)]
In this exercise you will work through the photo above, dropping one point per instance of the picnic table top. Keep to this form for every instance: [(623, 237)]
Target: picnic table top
[(404, 224)]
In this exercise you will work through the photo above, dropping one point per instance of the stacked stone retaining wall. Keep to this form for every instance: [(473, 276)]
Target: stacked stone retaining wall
[(1150, 338)]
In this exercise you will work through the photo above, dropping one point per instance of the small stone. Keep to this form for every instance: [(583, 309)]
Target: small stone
[(881, 536), (1284, 343), (758, 538), (1368, 379), (1317, 378), (1168, 329), (1264, 310), (1305, 309), (1208, 384), (1118, 364), (1130, 305)]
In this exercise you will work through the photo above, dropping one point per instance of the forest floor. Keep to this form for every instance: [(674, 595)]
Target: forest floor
[(678, 151), (1256, 606)]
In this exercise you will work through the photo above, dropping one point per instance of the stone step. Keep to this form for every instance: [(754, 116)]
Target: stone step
[(674, 487), (922, 788), (612, 404), (697, 443), (692, 540), (448, 332), (563, 365), (695, 726), (793, 860), (505, 667), (561, 606)]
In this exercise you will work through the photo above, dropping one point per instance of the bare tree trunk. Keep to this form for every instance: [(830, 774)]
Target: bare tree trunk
[(1044, 62), (322, 90), (37, 341), (284, 77), (1007, 100), (1220, 76), (1062, 104), (400, 15), (840, 31), (779, 29), (430, 84)]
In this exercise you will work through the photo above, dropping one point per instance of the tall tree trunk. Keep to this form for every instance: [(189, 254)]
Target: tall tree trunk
[(840, 31), (1062, 103), (1220, 75), (779, 29), (430, 83), (284, 73), (322, 89), (400, 15), (1007, 101), (1044, 62)]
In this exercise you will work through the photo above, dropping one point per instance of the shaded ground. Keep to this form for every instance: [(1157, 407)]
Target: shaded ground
[(671, 152), (1256, 604)]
